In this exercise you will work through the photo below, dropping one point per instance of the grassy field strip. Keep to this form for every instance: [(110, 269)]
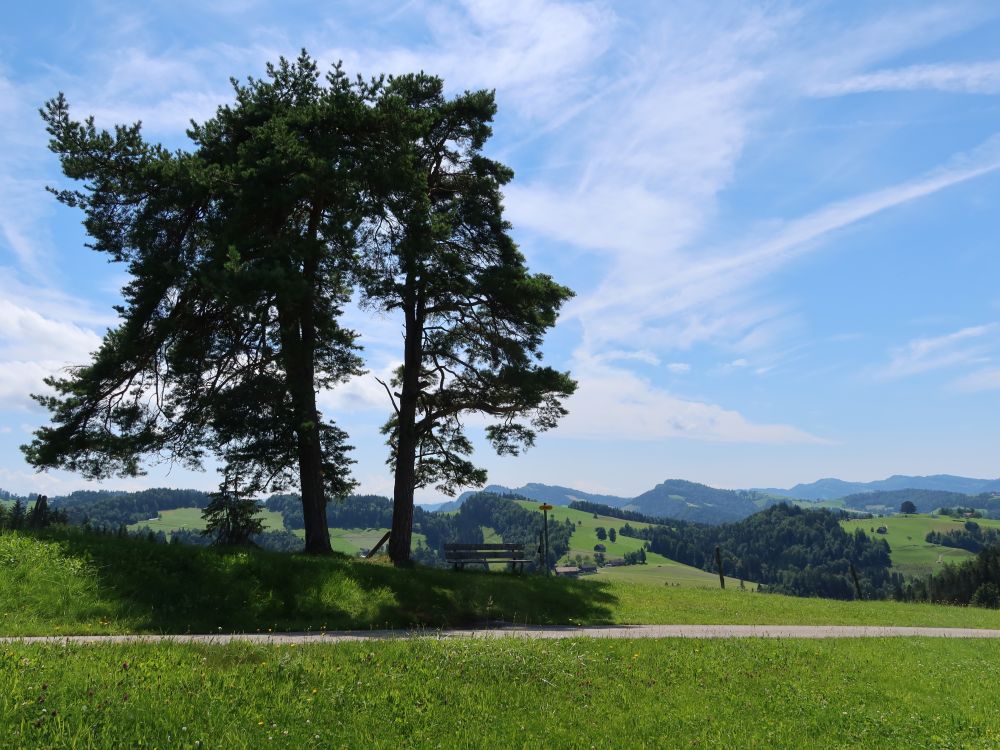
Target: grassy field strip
[(190, 518), (911, 555), (571, 693), (551, 632)]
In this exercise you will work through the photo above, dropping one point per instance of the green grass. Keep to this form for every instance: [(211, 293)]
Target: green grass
[(347, 541), (190, 518), (70, 582), (658, 570), (671, 693), (911, 555), (352, 541)]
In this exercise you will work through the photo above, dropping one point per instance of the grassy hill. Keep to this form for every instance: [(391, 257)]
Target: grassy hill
[(690, 501), (72, 582), (911, 555), (657, 570)]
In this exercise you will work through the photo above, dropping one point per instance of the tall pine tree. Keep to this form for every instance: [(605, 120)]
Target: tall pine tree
[(237, 253), (440, 253)]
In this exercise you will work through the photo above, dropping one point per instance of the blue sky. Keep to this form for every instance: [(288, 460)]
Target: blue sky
[(780, 219)]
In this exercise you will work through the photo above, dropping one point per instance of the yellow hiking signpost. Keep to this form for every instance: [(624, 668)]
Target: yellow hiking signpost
[(545, 508)]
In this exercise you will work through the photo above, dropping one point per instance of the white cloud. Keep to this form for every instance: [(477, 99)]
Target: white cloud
[(533, 52), (962, 347), (679, 368), (969, 78), (360, 393), (33, 347), (615, 404), (987, 379)]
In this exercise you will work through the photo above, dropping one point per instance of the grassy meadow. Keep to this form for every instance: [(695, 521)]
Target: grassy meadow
[(670, 693), (69, 582), (190, 518), (659, 570), (911, 555)]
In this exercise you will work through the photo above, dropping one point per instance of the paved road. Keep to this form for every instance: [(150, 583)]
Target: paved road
[(625, 631)]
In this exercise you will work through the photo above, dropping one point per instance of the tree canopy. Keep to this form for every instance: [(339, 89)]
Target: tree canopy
[(439, 251), (242, 253), (237, 253)]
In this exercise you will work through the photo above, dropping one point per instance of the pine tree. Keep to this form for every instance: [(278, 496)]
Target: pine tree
[(238, 253), (232, 518), (440, 253), (16, 518)]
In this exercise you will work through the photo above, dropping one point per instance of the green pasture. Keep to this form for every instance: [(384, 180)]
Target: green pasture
[(507, 693), (911, 555), (657, 570), (347, 541), (352, 541), (664, 572), (67, 581), (190, 518)]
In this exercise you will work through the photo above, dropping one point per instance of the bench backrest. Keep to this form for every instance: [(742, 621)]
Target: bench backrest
[(480, 551)]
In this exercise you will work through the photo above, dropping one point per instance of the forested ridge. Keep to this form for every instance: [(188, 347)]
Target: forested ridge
[(786, 548), (110, 509)]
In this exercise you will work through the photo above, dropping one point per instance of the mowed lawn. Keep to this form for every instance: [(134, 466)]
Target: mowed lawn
[(911, 555), (575, 693), (658, 570), (190, 518)]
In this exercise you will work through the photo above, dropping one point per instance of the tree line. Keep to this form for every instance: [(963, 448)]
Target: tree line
[(974, 582), (785, 548), (971, 537), (309, 190)]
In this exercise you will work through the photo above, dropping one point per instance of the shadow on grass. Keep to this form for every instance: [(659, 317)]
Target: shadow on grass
[(173, 588)]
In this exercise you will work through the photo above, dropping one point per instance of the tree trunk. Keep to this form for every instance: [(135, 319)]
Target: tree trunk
[(298, 343), (406, 437), (311, 484)]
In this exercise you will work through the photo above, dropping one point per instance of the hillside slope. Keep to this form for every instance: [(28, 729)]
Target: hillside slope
[(689, 501), (542, 493)]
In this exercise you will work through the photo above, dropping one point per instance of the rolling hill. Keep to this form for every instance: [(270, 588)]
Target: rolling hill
[(690, 501), (542, 493), (830, 488)]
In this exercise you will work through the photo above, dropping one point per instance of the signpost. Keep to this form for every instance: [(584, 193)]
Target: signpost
[(545, 508)]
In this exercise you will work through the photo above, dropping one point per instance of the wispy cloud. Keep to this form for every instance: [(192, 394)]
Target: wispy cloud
[(986, 379), (963, 347), (616, 404), (692, 297), (968, 78)]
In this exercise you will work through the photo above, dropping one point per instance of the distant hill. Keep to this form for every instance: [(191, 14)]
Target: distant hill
[(926, 501), (829, 489), (674, 498), (690, 501), (543, 493)]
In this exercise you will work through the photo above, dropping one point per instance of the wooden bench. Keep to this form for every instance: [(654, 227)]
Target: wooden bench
[(461, 555)]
